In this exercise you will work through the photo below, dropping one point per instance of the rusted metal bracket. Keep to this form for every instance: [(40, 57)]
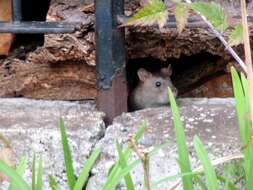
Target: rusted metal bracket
[(110, 59), (19, 26)]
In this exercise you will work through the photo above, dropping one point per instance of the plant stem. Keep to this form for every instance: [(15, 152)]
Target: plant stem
[(144, 157), (223, 41), (227, 46), (247, 50), (146, 171)]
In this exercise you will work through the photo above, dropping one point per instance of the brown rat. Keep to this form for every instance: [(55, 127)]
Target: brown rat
[(152, 89)]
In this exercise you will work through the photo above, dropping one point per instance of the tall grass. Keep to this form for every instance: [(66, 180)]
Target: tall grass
[(240, 86)]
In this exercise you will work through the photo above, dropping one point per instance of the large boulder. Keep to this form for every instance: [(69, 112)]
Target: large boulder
[(32, 127), (213, 120)]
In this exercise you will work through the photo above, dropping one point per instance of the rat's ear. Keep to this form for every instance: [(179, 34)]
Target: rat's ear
[(143, 74), (166, 72)]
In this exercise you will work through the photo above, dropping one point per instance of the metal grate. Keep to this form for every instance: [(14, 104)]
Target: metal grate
[(32, 27)]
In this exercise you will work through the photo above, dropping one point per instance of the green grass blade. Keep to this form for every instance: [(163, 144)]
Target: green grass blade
[(172, 178), (114, 180), (240, 104), (140, 131), (85, 171), (208, 168), (201, 183), (229, 184), (22, 165), (67, 157), (183, 152), (111, 184), (123, 164), (39, 175), (16, 179), (128, 151), (53, 184), (242, 107), (20, 170), (33, 173), (249, 167)]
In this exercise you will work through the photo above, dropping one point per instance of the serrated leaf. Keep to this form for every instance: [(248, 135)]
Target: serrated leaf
[(181, 13), (176, 1), (236, 37), (213, 12), (155, 12)]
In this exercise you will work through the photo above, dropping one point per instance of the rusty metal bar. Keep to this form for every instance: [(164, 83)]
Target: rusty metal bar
[(18, 26), (110, 59), (16, 11), (33, 27)]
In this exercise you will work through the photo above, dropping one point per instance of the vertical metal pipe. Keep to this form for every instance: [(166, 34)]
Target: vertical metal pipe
[(110, 59), (16, 11)]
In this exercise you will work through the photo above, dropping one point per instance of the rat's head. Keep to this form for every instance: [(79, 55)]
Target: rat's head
[(155, 86)]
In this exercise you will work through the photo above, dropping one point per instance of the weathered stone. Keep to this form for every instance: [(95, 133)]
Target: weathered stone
[(32, 127), (213, 120)]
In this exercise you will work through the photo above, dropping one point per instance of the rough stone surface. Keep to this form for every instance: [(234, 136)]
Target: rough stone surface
[(213, 120), (32, 126)]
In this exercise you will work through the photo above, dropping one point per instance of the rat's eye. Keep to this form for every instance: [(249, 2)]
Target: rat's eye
[(158, 84)]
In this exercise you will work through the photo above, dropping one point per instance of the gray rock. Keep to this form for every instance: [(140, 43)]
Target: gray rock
[(213, 120), (32, 127)]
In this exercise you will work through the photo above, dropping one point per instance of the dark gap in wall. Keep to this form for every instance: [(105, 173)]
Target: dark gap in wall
[(189, 72), (31, 11)]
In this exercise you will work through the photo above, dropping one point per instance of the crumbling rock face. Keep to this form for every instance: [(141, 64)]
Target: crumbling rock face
[(72, 56), (209, 119), (69, 81)]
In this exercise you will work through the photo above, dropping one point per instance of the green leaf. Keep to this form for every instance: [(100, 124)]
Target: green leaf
[(240, 88), (155, 11), (236, 37), (33, 173), (116, 168), (181, 13), (39, 175), (140, 131), (85, 171), (208, 168), (172, 178), (183, 152), (53, 184), (20, 170), (112, 183), (67, 157), (229, 184), (176, 1), (240, 105), (123, 164), (201, 182), (213, 12), (113, 180), (16, 179)]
